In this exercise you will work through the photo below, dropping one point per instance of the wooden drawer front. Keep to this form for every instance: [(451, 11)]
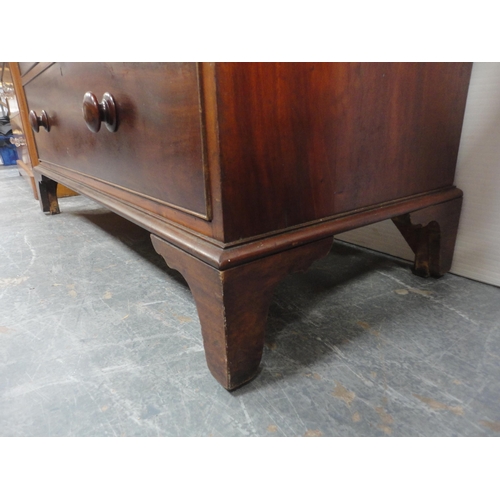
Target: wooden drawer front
[(157, 150)]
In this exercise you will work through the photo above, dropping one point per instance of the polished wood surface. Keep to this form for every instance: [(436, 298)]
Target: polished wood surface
[(35, 71), (233, 304), (157, 150), (332, 137), (39, 121), (23, 123), (30, 156), (95, 112), (24, 143), (223, 257), (47, 195), (431, 234), (245, 171)]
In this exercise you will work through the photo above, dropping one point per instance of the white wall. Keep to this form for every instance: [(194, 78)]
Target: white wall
[(477, 252)]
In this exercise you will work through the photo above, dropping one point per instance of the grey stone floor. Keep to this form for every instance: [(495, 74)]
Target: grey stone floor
[(98, 337)]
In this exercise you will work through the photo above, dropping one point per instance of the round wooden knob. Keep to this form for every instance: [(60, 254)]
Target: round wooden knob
[(95, 112), (39, 121)]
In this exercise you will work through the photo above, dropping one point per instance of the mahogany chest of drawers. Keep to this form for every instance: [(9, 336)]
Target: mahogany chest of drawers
[(243, 172)]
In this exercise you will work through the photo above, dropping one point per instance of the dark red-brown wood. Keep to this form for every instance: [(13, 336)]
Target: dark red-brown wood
[(326, 138), (39, 121), (242, 172), (158, 149), (47, 194), (95, 112), (233, 304), (431, 234)]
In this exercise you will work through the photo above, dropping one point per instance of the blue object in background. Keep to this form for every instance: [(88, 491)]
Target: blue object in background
[(9, 155)]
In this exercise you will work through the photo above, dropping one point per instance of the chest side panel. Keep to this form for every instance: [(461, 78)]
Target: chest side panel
[(302, 142)]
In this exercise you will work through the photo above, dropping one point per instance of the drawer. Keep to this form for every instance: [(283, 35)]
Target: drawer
[(157, 150)]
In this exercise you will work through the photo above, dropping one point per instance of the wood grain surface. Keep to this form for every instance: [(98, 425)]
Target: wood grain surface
[(233, 304), (300, 142), (157, 150)]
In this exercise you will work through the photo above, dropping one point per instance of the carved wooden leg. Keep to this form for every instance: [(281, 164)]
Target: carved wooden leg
[(431, 234), (47, 195), (233, 304)]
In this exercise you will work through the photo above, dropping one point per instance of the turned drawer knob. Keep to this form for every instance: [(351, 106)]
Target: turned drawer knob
[(39, 121), (95, 112)]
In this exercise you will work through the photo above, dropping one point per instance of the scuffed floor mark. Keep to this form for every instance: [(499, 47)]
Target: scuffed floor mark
[(356, 417), (248, 418), (313, 433), (366, 326), (4, 329), (13, 281), (340, 392), (182, 319), (385, 429), (100, 269), (406, 291), (194, 348), (424, 293), (493, 426), (271, 345), (436, 405), (31, 387), (428, 294), (384, 416), (33, 254), (149, 412), (272, 428), (120, 368), (387, 420), (107, 295), (71, 290)]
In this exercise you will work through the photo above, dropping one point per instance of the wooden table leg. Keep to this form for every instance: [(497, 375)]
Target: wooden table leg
[(47, 195), (233, 304), (431, 234)]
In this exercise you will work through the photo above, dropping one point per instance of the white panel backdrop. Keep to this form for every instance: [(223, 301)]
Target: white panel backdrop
[(477, 252)]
